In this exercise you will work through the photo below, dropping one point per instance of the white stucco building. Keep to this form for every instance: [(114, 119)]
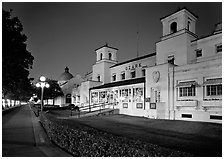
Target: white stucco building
[(182, 80)]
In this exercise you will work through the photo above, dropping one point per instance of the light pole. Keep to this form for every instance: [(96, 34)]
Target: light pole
[(42, 84)]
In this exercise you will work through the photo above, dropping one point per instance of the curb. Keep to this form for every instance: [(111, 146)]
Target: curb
[(43, 142)]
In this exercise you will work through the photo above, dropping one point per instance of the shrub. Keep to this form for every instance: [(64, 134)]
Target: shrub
[(84, 141)]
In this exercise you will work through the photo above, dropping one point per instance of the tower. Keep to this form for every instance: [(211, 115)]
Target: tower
[(106, 56), (178, 32)]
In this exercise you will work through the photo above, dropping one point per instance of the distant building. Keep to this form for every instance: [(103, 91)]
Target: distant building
[(182, 80), (69, 85)]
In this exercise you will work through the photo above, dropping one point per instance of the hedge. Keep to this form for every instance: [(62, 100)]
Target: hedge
[(84, 141)]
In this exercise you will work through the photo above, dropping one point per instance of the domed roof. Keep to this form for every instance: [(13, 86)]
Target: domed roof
[(65, 76)]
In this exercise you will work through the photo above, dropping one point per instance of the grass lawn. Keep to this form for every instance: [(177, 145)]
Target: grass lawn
[(199, 138)]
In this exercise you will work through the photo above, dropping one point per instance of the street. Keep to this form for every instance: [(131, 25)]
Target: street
[(23, 136)]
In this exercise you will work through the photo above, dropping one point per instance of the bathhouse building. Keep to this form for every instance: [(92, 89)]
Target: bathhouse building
[(181, 80)]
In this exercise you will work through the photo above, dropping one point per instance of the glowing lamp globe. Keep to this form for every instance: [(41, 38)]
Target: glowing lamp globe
[(47, 85), (38, 85), (42, 78)]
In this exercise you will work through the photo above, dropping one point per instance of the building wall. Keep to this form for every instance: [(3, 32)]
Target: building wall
[(84, 91), (138, 66), (197, 105), (102, 69), (208, 46), (177, 46), (105, 54), (162, 86), (182, 18)]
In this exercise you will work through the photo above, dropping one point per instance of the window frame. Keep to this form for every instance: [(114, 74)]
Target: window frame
[(123, 75), (143, 72), (98, 78), (171, 59), (218, 87), (114, 77), (197, 51), (216, 48), (173, 27), (185, 92), (101, 56), (133, 74), (110, 56)]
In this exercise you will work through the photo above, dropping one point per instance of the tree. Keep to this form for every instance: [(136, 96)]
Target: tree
[(52, 92), (16, 60)]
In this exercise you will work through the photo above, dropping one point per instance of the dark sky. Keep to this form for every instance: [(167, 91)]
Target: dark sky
[(66, 34)]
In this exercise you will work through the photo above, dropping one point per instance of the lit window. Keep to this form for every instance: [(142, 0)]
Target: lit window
[(133, 74), (114, 77), (143, 72), (123, 75), (198, 52), (218, 48)]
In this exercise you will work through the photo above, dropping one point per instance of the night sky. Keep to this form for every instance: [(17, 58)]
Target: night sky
[(66, 34)]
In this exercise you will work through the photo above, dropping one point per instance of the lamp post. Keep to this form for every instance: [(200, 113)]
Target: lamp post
[(42, 84)]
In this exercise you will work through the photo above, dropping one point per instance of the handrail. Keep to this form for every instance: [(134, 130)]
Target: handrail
[(95, 105)]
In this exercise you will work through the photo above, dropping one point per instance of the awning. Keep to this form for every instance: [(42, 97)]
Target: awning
[(188, 84), (120, 83), (213, 81)]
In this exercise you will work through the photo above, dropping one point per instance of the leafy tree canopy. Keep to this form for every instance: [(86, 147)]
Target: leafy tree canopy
[(16, 60)]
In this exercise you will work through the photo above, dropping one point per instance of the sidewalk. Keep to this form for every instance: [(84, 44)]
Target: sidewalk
[(23, 136)]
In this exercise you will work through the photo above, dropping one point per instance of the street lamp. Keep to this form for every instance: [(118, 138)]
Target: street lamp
[(42, 84)]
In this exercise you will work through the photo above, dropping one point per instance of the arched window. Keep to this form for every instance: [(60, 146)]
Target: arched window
[(173, 27), (68, 99), (110, 56), (98, 78), (188, 25), (101, 56)]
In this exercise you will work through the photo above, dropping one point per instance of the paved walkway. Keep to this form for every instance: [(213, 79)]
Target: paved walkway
[(23, 136)]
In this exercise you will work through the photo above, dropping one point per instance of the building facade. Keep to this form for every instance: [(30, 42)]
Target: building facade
[(182, 80)]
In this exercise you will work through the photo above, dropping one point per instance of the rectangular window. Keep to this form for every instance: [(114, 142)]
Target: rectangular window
[(125, 105), (218, 48), (187, 91), (102, 96), (138, 95), (123, 75), (186, 115), (125, 95), (114, 77), (198, 52), (214, 90), (139, 105), (216, 117), (143, 72), (133, 74)]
